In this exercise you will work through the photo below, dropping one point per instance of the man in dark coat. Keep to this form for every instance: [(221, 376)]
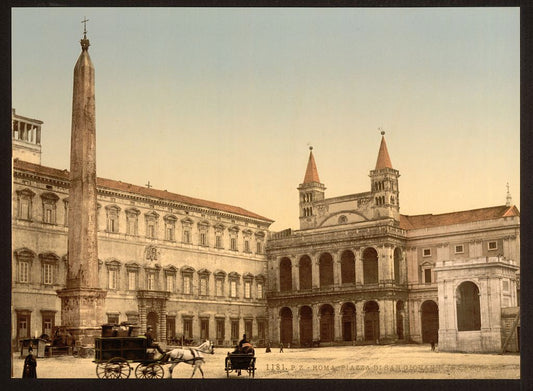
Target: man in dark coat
[(30, 365), (150, 341)]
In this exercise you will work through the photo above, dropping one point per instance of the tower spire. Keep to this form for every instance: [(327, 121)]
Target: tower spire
[(311, 173), (509, 200), (383, 154)]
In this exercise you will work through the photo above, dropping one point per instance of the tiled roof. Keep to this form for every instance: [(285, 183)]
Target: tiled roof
[(383, 156), (311, 174), (140, 190), (466, 216)]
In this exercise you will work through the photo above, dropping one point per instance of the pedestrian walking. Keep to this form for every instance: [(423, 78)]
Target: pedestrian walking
[(268, 347), (432, 345), (281, 347), (30, 365)]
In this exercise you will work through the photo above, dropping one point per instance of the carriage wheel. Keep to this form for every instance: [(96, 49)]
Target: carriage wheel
[(100, 370), (117, 368), (227, 366), (149, 371)]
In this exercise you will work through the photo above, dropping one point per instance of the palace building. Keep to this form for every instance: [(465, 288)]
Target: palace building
[(185, 266), (357, 271)]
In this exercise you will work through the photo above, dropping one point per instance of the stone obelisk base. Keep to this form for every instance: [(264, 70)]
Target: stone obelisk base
[(82, 312)]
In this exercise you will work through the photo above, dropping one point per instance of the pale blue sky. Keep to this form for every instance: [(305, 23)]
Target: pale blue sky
[(222, 104)]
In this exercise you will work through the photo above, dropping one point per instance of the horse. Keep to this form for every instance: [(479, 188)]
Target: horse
[(192, 356)]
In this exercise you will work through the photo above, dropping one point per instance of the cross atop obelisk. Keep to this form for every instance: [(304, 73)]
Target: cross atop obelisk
[(85, 42)]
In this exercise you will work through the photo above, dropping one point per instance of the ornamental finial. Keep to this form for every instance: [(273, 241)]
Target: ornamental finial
[(85, 42)]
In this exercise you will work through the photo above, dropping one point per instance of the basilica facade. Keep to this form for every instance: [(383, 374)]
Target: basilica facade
[(359, 272)]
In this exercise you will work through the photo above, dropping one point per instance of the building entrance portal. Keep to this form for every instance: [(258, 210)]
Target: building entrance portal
[(348, 322), (151, 321), (430, 321), (327, 318), (371, 309), (286, 326)]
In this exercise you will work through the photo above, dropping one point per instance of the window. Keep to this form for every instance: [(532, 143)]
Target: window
[(23, 324), (186, 236), (112, 319), (427, 276), (132, 280), (220, 331), (24, 202), (204, 329), (233, 244), (259, 290), (65, 204), (492, 245), (203, 286), (187, 328), (343, 219), (150, 281), (247, 246), (113, 278), (219, 286), (203, 239), (151, 225), (426, 252), (233, 288), (170, 227), (248, 328), (261, 330), (170, 282), (24, 271), (235, 330), (218, 241), (112, 213), (259, 248), (48, 322), (459, 249), (505, 286), (187, 285), (48, 274), (247, 289), (132, 221)]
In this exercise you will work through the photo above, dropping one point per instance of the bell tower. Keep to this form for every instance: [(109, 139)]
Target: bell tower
[(384, 185), (311, 192)]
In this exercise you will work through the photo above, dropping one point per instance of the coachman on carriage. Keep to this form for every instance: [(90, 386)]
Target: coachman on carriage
[(242, 358)]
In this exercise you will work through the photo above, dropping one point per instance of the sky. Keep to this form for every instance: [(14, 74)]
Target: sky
[(222, 104)]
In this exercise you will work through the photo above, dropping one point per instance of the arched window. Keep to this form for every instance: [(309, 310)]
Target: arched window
[(467, 302), (347, 267), (285, 274), (370, 266)]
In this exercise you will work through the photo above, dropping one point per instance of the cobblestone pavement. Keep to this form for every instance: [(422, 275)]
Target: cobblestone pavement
[(358, 362)]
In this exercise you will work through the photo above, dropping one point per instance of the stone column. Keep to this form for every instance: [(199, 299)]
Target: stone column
[(163, 324), (295, 326), (82, 302), (337, 273), (358, 267), (337, 337), (316, 322), (360, 320), (316, 271), (295, 274)]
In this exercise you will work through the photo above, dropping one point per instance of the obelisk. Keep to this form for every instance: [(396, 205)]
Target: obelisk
[(82, 302)]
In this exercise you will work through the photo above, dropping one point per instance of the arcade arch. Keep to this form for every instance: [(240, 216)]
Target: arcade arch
[(371, 309), (349, 332), (370, 266), (326, 269), (306, 273), (285, 326), (430, 321), (285, 274), (306, 326), (467, 303), (327, 321), (347, 267)]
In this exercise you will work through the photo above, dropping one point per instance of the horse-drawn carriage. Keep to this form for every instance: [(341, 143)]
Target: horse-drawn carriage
[(242, 359), (113, 356)]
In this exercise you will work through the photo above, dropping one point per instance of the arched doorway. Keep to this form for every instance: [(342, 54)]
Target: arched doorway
[(370, 266), (400, 310), (327, 319), (152, 321), (285, 274), (348, 322), (468, 311), (371, 309), (348, 267), (285, 332), (306, 273), (306, 326), (430, 321), (326, 270)]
